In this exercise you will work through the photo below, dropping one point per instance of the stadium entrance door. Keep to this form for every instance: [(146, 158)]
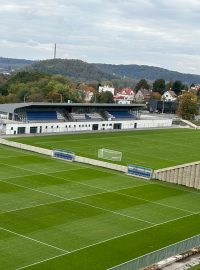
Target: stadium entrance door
[(117, 126), (33, 129), (21, 130), (95, 127)]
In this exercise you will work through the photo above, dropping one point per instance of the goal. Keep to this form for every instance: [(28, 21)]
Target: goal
[(109, 154)]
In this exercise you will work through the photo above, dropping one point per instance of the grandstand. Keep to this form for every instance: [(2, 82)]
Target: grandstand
[(26, 118), (120, 115)]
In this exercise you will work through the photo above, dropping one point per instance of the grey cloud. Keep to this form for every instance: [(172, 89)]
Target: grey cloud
[(155, 32)]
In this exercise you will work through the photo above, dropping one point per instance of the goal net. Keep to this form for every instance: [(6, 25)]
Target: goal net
[(109, 154)]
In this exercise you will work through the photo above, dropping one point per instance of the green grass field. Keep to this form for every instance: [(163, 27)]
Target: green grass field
[(60, 215), (154, 148)]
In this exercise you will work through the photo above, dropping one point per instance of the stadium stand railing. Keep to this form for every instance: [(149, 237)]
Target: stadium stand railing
[(160, 255), (78, 116), (86, 117), (94, 116)]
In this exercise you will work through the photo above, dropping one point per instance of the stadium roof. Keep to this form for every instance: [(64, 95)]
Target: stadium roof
[(11, 107)]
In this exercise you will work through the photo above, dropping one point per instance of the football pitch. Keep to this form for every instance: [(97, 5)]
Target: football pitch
[(61, 215), (150, 148)]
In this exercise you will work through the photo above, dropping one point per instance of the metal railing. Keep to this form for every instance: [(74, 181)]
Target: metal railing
[(160, 255)]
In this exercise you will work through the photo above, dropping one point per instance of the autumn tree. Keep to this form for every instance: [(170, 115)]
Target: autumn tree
[(155, 95), (187, 106), (142, 84), (35, 86)]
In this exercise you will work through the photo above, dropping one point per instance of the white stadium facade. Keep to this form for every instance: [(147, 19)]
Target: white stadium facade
[(40, 118)]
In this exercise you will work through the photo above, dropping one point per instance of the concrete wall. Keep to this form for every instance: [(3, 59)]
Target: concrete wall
[(77, 158), (56, 127), (26, 147), (186, 174), (103, 164)]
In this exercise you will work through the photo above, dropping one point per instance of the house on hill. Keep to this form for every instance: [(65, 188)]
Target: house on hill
[(125, 96), (106, 88), (169, 96), (143, 95)]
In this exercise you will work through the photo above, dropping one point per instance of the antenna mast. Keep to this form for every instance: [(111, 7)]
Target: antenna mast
[(55, 51)]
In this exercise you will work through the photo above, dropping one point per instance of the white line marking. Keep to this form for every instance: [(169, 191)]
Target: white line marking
[(51, 258), (66, 199), (54, 202), (107, 240), (153, 202), (32, 239)]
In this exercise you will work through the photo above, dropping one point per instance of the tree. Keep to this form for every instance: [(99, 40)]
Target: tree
[(177, 86), (188, 106), (168, 86), (106, 97), (142, 84), (159, 86), (155, 95)]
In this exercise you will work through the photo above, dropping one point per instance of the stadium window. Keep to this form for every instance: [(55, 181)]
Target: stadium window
[(103, 125), (46, 127), (110, 125), (11, 128), (79, 125), (66, 126), (74, 126), (82, 125), (51, 126), (69, 126), (57, 126)]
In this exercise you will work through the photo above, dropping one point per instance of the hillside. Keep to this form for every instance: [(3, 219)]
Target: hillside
[(8, 64), (148, 73), (82, 71), (75, 69)]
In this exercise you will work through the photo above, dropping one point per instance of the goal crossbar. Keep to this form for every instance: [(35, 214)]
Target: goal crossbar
[(109, 154)]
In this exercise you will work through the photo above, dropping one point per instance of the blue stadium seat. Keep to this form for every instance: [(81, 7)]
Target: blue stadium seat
[(121, 114), (41, 115)]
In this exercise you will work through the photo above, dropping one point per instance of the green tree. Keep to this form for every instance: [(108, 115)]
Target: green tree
[(168, 86), (159, 86), (188, 106), (142, 84), (106, 97), (177, 86)]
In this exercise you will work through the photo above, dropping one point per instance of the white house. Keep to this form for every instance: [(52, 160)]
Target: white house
[(143, 95), (169, 96), (88, 96), (107, 88), (125, 96)]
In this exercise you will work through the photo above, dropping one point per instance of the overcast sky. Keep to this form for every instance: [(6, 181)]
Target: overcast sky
[(163, 33)]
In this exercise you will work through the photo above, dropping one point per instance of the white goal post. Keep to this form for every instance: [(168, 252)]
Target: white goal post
[(109, 154)]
